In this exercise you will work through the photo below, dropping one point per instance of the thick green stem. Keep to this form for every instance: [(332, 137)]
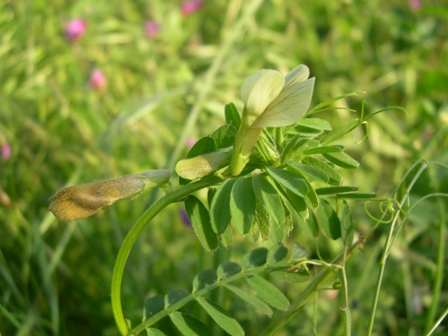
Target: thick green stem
[(131, 238), (245, 142)]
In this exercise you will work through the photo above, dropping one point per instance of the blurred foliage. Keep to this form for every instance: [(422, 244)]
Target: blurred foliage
[(55, 278)]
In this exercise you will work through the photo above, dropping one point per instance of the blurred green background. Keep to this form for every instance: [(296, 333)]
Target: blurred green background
[(164, 90)]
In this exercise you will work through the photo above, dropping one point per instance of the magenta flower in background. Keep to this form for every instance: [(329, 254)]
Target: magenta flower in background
[(152, 29), (97, 80), (190, 142), (75, 29), (415, 5), (184, 217), (6, 152), (189, 7)]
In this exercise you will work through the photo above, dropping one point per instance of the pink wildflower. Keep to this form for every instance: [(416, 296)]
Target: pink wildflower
[(75, 29), (190, 142), (189, 7), (415, 5), (6, 152), (184, 217), (152, 29), (97, 80)]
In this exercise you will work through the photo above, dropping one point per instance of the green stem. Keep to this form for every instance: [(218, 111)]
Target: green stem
[(440, 269), (388, 243), (133, 234), (307, 293)]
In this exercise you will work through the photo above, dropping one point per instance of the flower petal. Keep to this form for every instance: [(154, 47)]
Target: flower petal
[(289, 106), (259, 90), (297, 75)]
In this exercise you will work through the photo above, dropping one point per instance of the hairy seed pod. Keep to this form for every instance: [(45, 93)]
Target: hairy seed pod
[(84, 200)]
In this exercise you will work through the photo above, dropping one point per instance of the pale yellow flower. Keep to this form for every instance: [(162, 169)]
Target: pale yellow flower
[(270, 100)]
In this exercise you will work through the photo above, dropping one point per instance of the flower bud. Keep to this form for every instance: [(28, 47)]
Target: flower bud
[(203, 165), (84, 200), (75, 29)]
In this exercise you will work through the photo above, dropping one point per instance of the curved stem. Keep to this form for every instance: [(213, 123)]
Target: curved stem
[(390, 237), (133, 234)]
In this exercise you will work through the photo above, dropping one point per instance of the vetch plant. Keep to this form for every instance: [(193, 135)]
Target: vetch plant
[(267, 169)]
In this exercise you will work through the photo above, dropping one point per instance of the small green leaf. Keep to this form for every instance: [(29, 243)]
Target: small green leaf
[(335, 190), (221, 317), (228, 269), (224, 136), (340, 132), (346, 223), (252, 300), (175, 295), (357, 195), (202, 146), (211, 192), (277, 253), (255, 258), (290, 181), (329, 220), (220, 209), (334, 177), (200, 221), (307, 131), (242, 205), (268, 292), (232, 115), (290, 277), (152, 306), (316, 123), (277, 232), (309, 225), (188, 325), (267, 195), (294, 147), (227, 237), (263, 221), (205, 278), (154, 332), (323, 149), (342, 160), (298, 252), (298, 203), (312, 171)]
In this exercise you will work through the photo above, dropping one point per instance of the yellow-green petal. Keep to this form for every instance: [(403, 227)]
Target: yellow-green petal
[(299, 74), (289, 106), (258, 91), (203, 165)]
